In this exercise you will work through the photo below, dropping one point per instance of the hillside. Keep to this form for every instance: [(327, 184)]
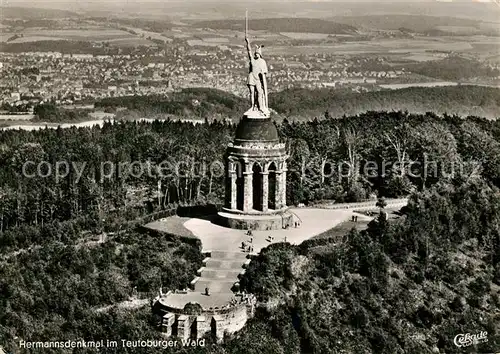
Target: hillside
[(407, 287), (413, 285), (453, 68), (309, 25), (416, 23), (305, 104), (459, 100), (189, 103)]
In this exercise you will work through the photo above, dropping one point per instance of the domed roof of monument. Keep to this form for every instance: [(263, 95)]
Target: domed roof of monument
[(256, 130)]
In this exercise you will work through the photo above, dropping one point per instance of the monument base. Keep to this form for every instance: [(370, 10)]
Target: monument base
[(257, 114), (256, 221)]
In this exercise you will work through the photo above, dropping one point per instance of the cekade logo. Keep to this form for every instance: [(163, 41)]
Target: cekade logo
[(467, 339)]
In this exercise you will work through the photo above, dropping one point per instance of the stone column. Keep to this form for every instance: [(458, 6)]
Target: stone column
[(219, 328), (248, 188), (233, 191), (278, 189), (202, 326), (265, 191), (183, 327), (168, 321), (283, 188)]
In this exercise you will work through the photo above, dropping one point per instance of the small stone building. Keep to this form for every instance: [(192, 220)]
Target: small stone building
[(216, 321)]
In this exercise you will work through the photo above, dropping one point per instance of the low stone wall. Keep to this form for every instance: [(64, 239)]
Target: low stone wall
[(391, 203), (277, 222), (217, 322)]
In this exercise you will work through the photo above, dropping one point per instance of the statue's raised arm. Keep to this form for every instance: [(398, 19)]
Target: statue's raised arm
[(249, 48)]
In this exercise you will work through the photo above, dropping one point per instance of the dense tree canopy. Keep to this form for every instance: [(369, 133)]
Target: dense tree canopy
[(133, 168), (305, 104), (404, 286), (66, 291)]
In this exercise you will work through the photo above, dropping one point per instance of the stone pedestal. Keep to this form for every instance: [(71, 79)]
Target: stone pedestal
[(258, 149), (167, 323), (183, 327), (202, 326), (273, 220)]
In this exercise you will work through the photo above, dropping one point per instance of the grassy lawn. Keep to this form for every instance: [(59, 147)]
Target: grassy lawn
[(391, 213), (173, 225), (342, 229)]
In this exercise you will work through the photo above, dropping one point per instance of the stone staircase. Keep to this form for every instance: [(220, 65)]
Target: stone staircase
[(220, 272), (222, 264)]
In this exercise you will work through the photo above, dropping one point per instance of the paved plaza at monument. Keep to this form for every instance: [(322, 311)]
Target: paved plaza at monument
[(313, 222), (227, 257)]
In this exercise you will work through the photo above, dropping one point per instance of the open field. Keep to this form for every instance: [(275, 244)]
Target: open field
[(423, 57), (198, 42), (459, 29), (216, 40), (16, 117), (486, 49), (79, 35), (420, 84), (388, 46), (441, 44), (305, 35), (149, 34), (28, 39), (90, 34), (132, 41)]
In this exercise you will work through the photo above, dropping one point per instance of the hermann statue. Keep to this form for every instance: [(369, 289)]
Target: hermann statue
[(257, 81)]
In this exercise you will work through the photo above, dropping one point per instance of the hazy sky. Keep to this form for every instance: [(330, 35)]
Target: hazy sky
[(224, 8), (57, 2)]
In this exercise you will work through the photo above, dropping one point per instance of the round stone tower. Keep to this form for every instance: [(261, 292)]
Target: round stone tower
[(256, 177)]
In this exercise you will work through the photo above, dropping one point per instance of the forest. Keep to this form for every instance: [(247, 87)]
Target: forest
[(415, 23), (304, 25), (129, 169), (305, 104), (408, 286), (290, 104), (49, 112), (454, 68), (69, 248), (460, 100)]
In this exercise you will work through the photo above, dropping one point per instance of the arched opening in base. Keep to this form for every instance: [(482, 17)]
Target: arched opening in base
[(257, 187), (213, 328), (194, 330), (272, 187), (240, 186)]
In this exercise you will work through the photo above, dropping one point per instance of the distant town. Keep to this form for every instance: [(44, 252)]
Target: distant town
[(126, 59)]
